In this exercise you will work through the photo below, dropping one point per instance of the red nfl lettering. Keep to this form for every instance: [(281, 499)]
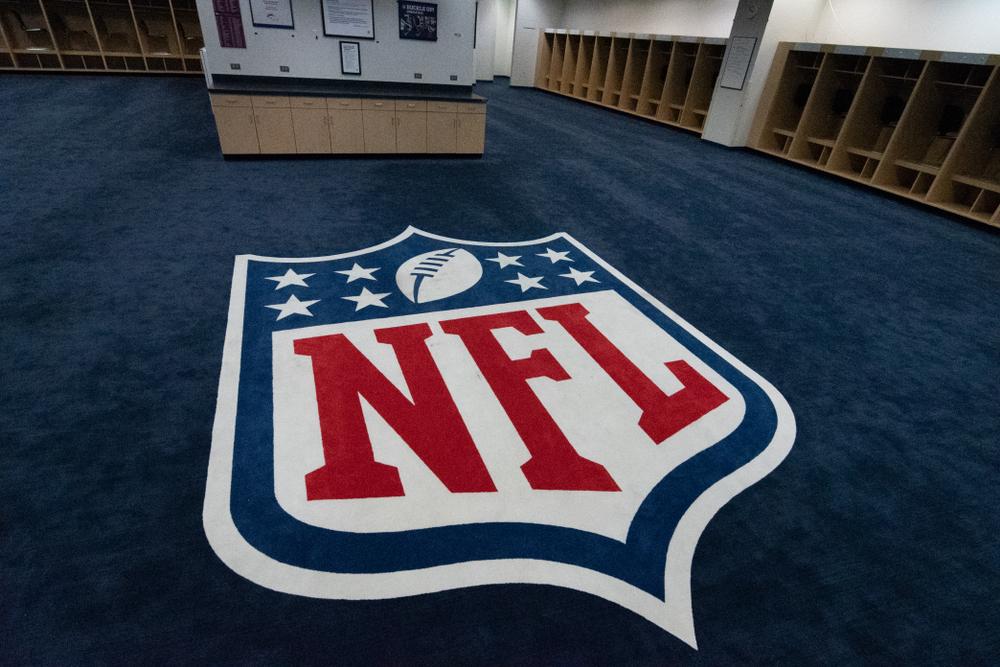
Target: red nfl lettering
[(433, 428)]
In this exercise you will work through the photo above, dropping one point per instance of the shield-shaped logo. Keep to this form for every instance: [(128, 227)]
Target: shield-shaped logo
[(431, 414)]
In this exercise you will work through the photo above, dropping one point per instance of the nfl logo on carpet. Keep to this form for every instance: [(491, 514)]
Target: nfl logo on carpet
[(432, 414)]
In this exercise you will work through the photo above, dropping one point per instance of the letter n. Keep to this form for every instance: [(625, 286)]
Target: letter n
[(430, 425)]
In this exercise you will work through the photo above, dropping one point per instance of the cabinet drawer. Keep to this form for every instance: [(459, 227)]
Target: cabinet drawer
[(343, 103), (470, 107), (378, 105), (411, 105), (442, 107), (267, 101), (307, 102), (230, 100)]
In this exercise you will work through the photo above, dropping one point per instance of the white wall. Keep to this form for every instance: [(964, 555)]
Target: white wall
[(703, 18), (937, 25), (506, 11), (533, 17), (486, 35), (308, 53)]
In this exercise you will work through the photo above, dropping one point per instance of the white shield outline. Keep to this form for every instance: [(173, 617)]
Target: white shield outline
[(673, 613)]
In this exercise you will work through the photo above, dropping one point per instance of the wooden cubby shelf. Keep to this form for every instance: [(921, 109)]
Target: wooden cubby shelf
[(100, 35), (921, 124), (663, 78)]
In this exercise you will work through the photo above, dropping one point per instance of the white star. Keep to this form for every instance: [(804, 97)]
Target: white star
[(504, 260), (357, 272), (291, 278), (580, 276), (555, 256), (293, 307), (526, 283), (366, 299)]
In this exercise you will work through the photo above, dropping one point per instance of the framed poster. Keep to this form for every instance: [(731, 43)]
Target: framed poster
[(349, 18), (272, 14), (418, 20), (350, 58)]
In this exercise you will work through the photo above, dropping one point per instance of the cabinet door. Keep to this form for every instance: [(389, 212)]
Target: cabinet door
[(274, 124), (347, 130), (471, 128), (237, 130), (411, 126), (411, 132), (441, 132), (442, 121), (379, 118), (312, 135), (274, 130)]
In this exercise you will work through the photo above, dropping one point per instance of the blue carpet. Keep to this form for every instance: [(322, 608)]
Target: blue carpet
[(874, 543)]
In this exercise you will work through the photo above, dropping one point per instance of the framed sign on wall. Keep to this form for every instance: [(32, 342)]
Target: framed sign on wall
[(350, 58), (349, 18), (418, 20), (272, 14)]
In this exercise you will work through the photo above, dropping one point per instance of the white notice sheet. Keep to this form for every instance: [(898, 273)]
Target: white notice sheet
[(740, 52)]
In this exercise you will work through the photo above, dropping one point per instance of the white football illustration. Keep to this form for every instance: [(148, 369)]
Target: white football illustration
[(439, 274)]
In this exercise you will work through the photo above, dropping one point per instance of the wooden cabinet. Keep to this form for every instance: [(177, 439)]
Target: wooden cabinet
[(470, 128), (442, 127), (327, 125), (250, 124), (411, 126), (273, 117), (304, 124), (347, 134), (311, 124), (663, 78), (379, 118), (100, 35), (456, 127), (234, 119), (395, 126), (921, 124)]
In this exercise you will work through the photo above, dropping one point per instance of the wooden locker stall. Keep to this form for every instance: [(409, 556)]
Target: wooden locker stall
[(924, 125), (100, 35), (660, 77)]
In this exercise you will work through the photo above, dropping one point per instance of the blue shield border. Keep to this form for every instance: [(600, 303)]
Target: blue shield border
[(649, 573)]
